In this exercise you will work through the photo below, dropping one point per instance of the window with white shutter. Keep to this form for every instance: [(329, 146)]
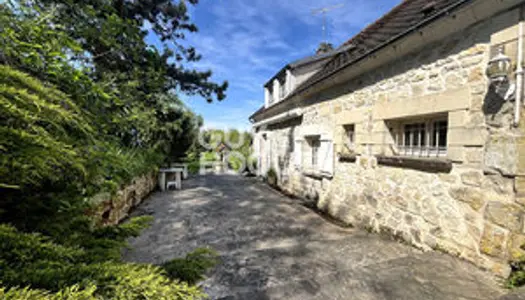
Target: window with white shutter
[(270, 157), (311, 156), (327, 157), (317, 155)]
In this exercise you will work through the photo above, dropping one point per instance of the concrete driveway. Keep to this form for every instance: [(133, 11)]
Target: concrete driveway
[(274, 248)]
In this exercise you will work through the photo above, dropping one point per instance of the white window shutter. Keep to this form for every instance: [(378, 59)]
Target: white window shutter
[(270, 158), (298, 153), (327, 156)]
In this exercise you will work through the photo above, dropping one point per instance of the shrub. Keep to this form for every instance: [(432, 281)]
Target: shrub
[(252, 166), (194, 167), (39, 125), (192, 268), (54, 271), (52, 159), (210, 156), (271, 177), (70, 293), (517, 276), (72, 127)]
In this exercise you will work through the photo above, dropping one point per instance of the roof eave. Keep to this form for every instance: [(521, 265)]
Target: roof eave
[(299, 63), (283, 70), (427, 21)]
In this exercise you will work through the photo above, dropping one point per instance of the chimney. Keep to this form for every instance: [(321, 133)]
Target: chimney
[(324, 48)]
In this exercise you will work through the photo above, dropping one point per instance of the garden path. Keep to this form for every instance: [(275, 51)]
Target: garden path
[(272, 247)]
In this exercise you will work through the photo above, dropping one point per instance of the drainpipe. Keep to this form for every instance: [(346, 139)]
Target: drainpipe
[(519, 75)]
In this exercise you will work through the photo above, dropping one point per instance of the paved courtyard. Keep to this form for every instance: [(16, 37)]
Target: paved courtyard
[(272, 247)]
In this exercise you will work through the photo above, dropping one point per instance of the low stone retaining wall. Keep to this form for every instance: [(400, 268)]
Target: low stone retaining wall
[(113, 209)]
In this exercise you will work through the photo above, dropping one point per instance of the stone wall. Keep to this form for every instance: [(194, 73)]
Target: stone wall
[(113, 209), (474, 211)]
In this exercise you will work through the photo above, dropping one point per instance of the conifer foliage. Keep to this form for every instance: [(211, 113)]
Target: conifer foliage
[(39, 126), (85, 106)]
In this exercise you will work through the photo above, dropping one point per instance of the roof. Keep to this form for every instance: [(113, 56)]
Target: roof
[(313, 58), (302, 62), (260, 110), (400, 21)]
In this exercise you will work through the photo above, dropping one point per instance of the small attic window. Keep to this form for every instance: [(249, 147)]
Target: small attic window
[(429, 8)]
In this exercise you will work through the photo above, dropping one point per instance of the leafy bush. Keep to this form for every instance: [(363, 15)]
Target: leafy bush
[(52, 159), (38, 127), (192, 268), (52, 270), (517, 276), (271, 177), (251, 166), (210, 156), (70, 293), (93, 108), (194, 167)]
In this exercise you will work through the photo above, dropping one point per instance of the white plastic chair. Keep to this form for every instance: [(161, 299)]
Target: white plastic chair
[(174, 184)]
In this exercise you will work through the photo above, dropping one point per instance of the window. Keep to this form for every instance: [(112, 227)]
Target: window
[(315, 153), (282, 88), (270, 94), (426, 138), (317, 156), (349, 141), (312, 152)]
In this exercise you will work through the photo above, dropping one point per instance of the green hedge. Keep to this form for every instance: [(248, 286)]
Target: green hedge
[(55, 271)]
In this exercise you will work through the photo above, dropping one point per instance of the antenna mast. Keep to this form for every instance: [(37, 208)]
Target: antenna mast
[(324, 11)]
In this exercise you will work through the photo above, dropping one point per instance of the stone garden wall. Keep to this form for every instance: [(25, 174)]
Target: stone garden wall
[(475, 210), (112, 210)]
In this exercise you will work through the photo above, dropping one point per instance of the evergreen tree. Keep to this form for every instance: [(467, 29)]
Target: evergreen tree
[(86, 105)]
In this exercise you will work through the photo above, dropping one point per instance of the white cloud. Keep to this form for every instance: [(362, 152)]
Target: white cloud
[(247, 41), (261, 35)]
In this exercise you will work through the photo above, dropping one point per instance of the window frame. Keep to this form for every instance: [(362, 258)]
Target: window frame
[(282, 88), (314, 145), (349, 135), (426, 144), (271, 100)]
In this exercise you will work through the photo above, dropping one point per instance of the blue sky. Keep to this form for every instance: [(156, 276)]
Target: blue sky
[(247, 41)]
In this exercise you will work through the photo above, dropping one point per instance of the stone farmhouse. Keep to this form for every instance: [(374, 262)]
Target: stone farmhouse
[(413, 127)]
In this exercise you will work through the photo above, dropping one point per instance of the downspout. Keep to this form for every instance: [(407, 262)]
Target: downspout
[(519, 74)]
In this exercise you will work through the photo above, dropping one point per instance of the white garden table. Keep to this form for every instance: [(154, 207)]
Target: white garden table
[(183, 166), (163, 184)]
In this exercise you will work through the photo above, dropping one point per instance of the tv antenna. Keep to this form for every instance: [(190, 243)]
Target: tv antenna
[(324, 11)]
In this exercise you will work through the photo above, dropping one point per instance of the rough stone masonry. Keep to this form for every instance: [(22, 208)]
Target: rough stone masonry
[(476, 210)]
